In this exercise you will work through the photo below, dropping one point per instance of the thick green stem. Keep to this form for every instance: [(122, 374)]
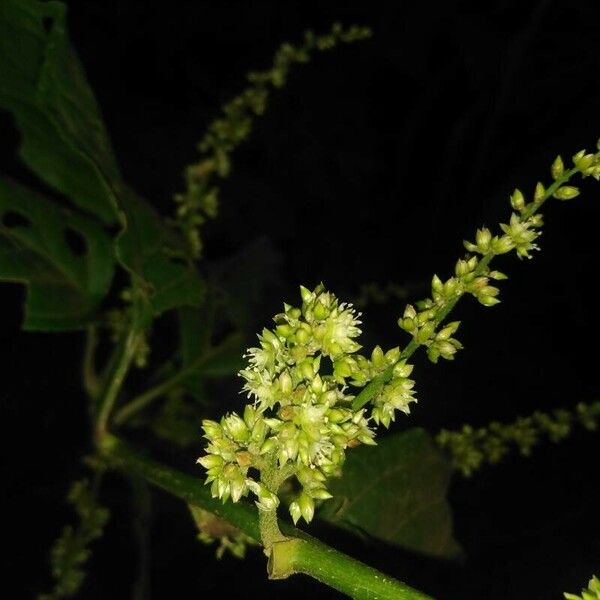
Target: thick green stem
[(376, 384), (336, 570), (272, 476), (302, 554)]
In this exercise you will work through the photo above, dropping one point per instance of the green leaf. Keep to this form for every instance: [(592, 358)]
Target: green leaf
[(196, 329), (43, 85), (152, 254), (65, 259), (244, 280), (396, 492), (223, 360), (178, 421)]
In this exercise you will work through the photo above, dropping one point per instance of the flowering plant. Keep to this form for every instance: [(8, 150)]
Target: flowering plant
[(96, 257)]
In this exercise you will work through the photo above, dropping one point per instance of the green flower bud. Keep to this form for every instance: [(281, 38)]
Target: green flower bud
[(377, 357), (583, 161), (320, 311), (409, 312), (425, 332), (483, 237), (338, 415), (268, 446), (408, 325), (448, 331), (539, 193), (211, 461), (566, 192), (320, 494), (517, 200), (488, 300), (307, 295), (392, 355), (285, 383), (295, 511), (462, 268), (285, 330), (498, 275), (424, 316), (307, 507), (502, 244), (235, 428), (212, 429), (557, 168), (402, 369)]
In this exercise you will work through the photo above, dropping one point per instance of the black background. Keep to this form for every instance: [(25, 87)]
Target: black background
[(371, 165)]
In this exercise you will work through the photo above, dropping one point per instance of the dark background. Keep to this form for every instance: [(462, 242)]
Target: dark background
[(370, 166)]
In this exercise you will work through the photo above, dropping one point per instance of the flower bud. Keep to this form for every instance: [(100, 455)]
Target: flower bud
[(557, 168), (517, 200), (483, 237), (210, 461), (377, 357), (307, 506), (566, 192), (236, 428), (539, 193)]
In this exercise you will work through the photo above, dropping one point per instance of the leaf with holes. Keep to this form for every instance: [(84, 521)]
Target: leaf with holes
[(43, 85), (152, 253), (65, 259), (396, 492)]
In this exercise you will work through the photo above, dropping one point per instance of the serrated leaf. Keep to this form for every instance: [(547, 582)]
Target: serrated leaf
[(65, 285), (43, 85), (396, 492), (152, 254)]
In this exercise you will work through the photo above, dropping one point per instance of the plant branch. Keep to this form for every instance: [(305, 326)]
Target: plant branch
[(91, 381), (144, 399), (302, 554), (376, 384), (124, 355)]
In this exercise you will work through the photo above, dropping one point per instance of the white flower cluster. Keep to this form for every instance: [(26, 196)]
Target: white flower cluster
[(302, 419)]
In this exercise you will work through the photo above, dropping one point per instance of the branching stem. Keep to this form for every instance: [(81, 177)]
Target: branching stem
[(297, 553), (125, 353)]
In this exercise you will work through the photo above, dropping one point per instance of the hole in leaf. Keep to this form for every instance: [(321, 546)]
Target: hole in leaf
[(75, 241), (12, 219), (47, 23)]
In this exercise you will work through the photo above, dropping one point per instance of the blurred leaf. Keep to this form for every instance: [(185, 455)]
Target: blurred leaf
[(195, 329), (396, 492), (152, 254), (179, 421), (43, 85), (223, 360), (245, 280), (65, 259)]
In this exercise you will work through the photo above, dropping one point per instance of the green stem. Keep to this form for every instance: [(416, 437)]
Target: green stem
[(124, 355), (91, 382), (374, 386), (140, 402), (302, 554), (336, 570), (273, 477)]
